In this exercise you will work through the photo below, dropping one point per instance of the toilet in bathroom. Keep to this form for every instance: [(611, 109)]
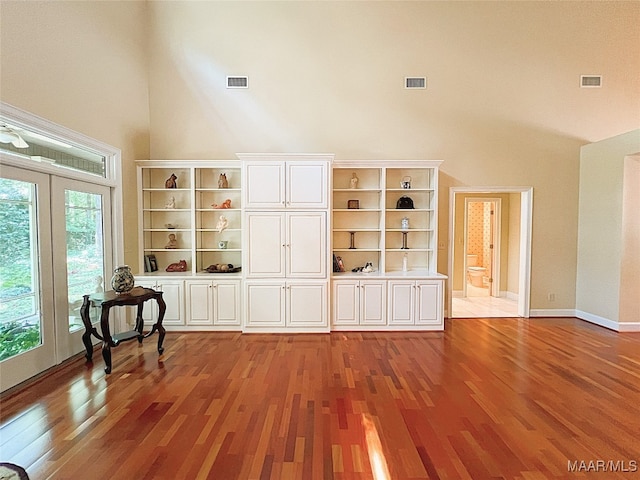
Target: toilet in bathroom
[(475, 274)]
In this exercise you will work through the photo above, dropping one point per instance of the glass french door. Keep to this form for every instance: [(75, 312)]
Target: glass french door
[(82, 245), (55, 247), (27, 345)]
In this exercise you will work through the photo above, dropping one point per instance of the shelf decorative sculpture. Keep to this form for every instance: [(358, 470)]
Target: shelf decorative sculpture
[(222, 181), (353, 183), (172, 181), (173, 241), (222, 223)]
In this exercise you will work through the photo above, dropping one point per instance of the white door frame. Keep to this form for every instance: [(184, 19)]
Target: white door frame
[(526, 222)]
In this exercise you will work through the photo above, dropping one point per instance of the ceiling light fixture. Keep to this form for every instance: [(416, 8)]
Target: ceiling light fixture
[(9, 136)]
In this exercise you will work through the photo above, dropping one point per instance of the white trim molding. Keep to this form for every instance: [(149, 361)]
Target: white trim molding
[(608, 323), (552, 312)]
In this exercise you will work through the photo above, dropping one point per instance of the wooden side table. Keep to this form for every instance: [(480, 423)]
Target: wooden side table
[(106, 300)]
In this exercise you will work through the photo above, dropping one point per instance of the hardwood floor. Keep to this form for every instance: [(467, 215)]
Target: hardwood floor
[(499, 398)]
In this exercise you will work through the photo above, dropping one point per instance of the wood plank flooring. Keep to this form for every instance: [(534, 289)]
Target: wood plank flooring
[(486, 399)]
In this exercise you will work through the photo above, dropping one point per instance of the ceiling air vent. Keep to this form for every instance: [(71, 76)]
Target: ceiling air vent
[(590, 81), (237, 82), (415, 82)]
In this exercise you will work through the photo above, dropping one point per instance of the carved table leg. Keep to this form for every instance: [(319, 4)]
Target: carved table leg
[(140, 323), (107, 341), (162, 308), (106, 354), (86, 336)]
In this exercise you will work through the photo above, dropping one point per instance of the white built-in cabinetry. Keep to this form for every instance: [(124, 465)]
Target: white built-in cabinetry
[(213, 303), (195, 298), (416, 304), (287, 217), (359, 304), (286, 244), (286, 256), (173, 295), (286, 181), (400, 243)]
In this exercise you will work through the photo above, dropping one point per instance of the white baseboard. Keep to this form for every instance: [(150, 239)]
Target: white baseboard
[(608, 323), (510, 295), (550, 312), (457, 294)]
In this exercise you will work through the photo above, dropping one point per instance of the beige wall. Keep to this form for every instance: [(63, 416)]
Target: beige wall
[(502, 105), (82, 65), (606, 236)]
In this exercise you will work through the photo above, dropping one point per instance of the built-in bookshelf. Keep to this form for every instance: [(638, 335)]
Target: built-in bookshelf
[(189, 213), (369, 225)]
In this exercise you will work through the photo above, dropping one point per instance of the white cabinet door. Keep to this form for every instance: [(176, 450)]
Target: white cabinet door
[(280, 184), (264, 185), (265, 304), (199, 295), (307, 184), (429, 302), (174, 298), (172, 294), (266, 244), (227, 303), (401, 302), (306, 304), (346, 302), (373, 301), (287, 244), (306, 245), (359, 302)]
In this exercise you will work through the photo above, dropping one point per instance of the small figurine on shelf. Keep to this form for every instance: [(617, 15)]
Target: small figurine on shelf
[(225, 204), (222, 223), (173, 241), (354, 181), (171, 203), (171, 181), (222, 181), (180, 266), (368, 268)]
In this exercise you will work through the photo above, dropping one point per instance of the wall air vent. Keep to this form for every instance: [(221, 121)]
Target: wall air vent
[(415, 82), (590, 81), (237, 82)]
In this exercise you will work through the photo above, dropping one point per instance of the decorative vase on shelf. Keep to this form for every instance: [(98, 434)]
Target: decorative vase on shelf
[(122, 280)]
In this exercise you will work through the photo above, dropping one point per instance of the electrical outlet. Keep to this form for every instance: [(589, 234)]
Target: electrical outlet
[(551, 297), (441, 245)]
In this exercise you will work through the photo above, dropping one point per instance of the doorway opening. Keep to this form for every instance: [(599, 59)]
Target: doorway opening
[(489, 252)]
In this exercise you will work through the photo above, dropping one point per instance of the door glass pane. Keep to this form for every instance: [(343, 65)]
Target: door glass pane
[(85, 250), (20, 328)]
